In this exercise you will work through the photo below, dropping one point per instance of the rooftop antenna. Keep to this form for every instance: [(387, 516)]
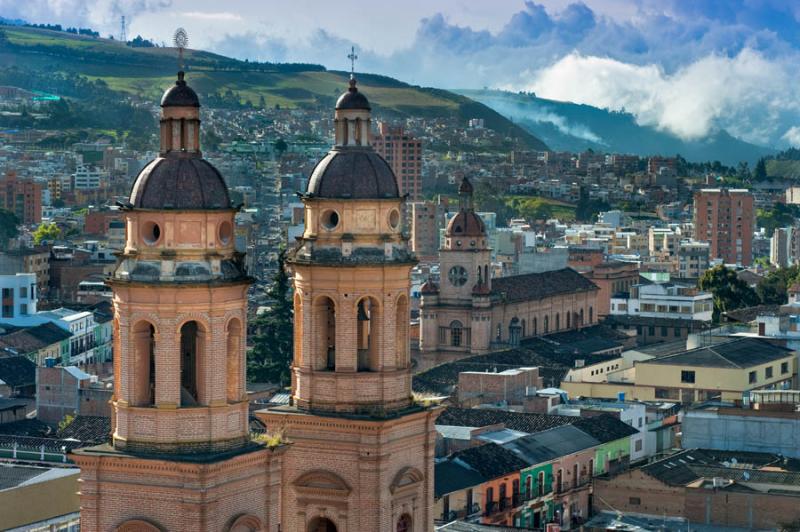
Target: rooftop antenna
[(123, 35), (180, 40), (352, 57)]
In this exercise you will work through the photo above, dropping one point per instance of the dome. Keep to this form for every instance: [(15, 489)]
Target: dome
[(352, 99), (180, 95), (353, 173), (175, 182), (466, 223)]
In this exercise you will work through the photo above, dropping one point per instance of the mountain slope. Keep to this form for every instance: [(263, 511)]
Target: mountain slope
[(566, 126), (144, 72)]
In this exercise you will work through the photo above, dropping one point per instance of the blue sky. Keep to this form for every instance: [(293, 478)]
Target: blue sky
[(686, 66)]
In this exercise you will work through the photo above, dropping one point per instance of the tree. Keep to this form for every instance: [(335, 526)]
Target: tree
[(270, 358), (760, 172), (728, 290), (46, 232), (773, 288), (280, 146), (9, 227)]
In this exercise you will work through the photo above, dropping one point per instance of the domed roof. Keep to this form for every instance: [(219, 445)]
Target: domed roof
[(352, 99), (353, 173), (175, 182), (466, 223), (180, 95)]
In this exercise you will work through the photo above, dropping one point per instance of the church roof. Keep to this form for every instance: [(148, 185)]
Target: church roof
[(531, 286), (352, 99), (180, 95), (466, 223), (177, 182), (353, 173)]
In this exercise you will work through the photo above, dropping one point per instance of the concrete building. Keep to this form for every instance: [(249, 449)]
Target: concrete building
[(693, 259), (39, 499), (427, 218), (403, 152), (57, 392), (725, 218), (784, 246), (610, 276), (88, 177), (23, 197), (664, 301), (723, 372), (19, 297), (36, 261), (768, 422)]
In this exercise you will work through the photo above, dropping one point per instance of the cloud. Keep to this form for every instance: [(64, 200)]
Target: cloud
[(792, 136), (202, 15), (102, 15)]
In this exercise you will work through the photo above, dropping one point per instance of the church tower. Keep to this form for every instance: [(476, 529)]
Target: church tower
[(362, 450), (181, 456), (456, 314)]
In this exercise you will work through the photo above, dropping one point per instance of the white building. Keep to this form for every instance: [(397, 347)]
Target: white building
[(87, 178), (664, 300), (19, 296)]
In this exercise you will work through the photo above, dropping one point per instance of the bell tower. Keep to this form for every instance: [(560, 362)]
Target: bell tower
[(181, 456), (362, 449)]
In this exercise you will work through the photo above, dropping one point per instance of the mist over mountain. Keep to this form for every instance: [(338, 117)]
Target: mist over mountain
[(566, 126)]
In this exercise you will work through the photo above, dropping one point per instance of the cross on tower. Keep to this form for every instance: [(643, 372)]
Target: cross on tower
[(181, 40), (352, 57)]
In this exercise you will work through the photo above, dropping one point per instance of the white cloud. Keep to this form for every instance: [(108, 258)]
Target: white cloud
[(792, 136), (714, 91), (202, 15)]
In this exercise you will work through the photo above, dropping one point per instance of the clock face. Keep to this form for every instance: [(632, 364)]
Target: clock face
[(457, 276)]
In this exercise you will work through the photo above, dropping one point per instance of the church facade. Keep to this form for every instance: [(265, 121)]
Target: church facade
[(355, 451), (470, 313)]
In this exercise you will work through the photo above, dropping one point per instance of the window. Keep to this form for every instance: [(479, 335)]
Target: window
[(677, 332), (651, 330), (784, 368), (634, 501), (663, 331), (640, 422), (752, 377), (768, 372), (23, 291), (455, 334), (638, 445), (687, 376), (23, 309)]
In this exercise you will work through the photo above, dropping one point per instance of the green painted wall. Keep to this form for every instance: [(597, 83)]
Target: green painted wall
[(612, 450)]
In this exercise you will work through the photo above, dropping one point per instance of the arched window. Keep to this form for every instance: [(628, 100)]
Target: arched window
[(540, 482), (145, 361), (321, 524), (535, 326), (234, 360), (514, 330), (404, 523), (324, 345), (546, 324), (529, 487), (591, 315), (569, 322), (456, 333), (192, 339), (558, 321), (524, 332), (580, 318), (368, 334), (402, 324)]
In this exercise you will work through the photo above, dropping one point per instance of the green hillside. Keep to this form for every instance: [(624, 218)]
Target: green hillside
[(145, 72)]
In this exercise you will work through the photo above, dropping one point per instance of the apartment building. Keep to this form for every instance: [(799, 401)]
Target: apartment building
[(725, 218)]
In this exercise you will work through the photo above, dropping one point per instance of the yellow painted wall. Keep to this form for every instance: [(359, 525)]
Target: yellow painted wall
[(37, 502)]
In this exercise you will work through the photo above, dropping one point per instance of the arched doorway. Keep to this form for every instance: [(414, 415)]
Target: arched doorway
[(514, 331), (192, 339), (145, 360), (321, 524), (456, 333), (367, 336), (233, 356), (324, 314), (404, 523)]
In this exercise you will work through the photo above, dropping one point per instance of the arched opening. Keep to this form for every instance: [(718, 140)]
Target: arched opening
[(234, 360), (404, 523), (298, 325), (535, 326), (369, 329), (456, 333), (524, 332), (580, 318), (192, 336), (321, 524), (325, 326), (137, 525), (402, 324), (591, 315), (486, 273), (558, 321), (514, 330), (246, 523), (569, 320), (540, 482), (529, 487), (546, 324), (144, 338)]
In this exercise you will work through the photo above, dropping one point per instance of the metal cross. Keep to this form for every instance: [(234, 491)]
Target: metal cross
[(352, 57)]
